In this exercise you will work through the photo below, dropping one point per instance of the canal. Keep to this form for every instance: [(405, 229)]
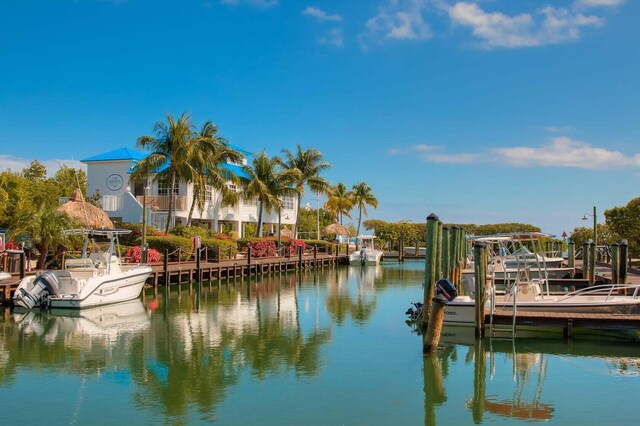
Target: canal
[(321, 348)]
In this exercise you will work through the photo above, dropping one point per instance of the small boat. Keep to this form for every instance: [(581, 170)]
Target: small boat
[(95, 279), (367, 254)]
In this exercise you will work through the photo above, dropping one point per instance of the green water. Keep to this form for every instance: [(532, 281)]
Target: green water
[(328, 348)]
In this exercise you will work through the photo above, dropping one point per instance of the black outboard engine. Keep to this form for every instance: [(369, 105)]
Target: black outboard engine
[(445, 291), (44, 285)]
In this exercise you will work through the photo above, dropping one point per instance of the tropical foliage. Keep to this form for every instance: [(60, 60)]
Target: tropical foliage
[(362, 197), (308, 164), (624, 221), (339, 203)]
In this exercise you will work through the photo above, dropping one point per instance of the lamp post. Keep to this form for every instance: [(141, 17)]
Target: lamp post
[(317, 215), (144, 225), (595, 224)]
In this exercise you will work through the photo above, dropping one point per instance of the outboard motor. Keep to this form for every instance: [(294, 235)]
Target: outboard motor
[(445, 291), (44, 285)]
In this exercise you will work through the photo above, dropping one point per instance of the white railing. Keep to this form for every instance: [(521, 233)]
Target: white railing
[(111, 203), (159, 220)]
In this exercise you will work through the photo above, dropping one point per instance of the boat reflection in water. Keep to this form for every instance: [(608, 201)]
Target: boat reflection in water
[(509, 375)]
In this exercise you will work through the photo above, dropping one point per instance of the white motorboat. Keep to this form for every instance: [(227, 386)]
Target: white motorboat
[(367, 254), (95, 279), (527, 289)]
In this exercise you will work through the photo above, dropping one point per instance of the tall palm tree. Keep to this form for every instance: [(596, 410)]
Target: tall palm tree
[(363, 197), (269, 183), (340, 202), (171, 147), (309, 164), (208, 153)]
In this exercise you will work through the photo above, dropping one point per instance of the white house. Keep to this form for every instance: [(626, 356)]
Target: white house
[(109, 175)]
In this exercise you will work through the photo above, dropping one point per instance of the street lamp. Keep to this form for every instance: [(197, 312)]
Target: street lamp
[(595, 224)]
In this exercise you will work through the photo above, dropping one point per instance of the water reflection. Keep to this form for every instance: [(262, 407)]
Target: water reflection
[(509, 375)]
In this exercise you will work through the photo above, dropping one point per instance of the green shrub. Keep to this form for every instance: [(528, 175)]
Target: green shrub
[(135, 237), (214, 246), (172, 243), (191, 231)]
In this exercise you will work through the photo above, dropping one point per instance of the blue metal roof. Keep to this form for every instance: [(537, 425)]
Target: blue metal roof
[(237, 170), (240, 150), (117, 155)]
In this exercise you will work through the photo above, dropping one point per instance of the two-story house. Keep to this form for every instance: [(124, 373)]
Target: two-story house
[(109, 174)]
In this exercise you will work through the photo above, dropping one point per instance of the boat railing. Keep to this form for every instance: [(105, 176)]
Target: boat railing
[(599, 289)]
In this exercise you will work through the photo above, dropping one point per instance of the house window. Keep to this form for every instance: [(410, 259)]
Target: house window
[(250, 201), (287, 203), (163, 188), (207, 193)]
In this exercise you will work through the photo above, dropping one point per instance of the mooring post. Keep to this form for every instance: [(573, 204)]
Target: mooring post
[(22, 265), (400, 250), (457, 258), (249, 260), (198, 270), (445, 252), (480, 269), (615, 263), (624, 261), (300, 258), (434, 328), (571, 255), (430, 277), (479, 382), (315, 257), (438, 265), (592, 262), (165, 267), (585, 260)]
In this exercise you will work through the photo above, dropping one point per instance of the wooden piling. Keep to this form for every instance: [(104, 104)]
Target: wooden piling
[(430, 277), (439, 250), (585, 260), (165, 268), (445, 253), (615, 263), (434, 329), (198, 270), (22, 265), (624, 261), (480, 269), (571, 254), (592, 262)]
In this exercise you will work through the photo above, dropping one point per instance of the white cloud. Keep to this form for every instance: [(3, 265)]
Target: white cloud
[(598, 3), (567, 152), (549, 25), (16, 164), (321, 14), (334, 37), (399, 20), (560, 152)]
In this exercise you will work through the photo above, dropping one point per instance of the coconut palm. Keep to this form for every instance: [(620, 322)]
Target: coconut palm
[(170, 154), (309, 164), (208, 153), (269, 183), (340, 202), (363, 197), (44, 225)]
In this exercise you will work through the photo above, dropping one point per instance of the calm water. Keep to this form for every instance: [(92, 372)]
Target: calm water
[(328, 349)]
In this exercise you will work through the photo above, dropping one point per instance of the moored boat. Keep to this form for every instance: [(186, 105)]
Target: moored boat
[(367, 254), (95, 279)]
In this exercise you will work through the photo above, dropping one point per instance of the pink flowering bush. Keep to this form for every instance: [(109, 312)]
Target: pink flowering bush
[(262, 248), (134, 254)]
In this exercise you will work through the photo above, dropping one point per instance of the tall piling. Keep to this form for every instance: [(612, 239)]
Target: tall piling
[(430, 277), (624, 261), (480, 269), (445, 253), (615, 263), (165, 268), (585, 260), (571, 255), (592, 262)]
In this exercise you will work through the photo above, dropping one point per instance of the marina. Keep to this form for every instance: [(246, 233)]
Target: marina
[(303, 341)]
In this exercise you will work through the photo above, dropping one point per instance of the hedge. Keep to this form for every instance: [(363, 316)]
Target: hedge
[(214, 246), (172, 243)]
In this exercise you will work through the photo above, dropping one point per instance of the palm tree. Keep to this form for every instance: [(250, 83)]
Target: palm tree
[(208, 153), (363, 197), (171, 148), (309, 164), (45, 226), (268, 183), (340, 202)]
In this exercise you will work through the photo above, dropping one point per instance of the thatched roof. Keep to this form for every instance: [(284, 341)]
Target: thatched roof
[(84, 213), (336, 228), (286, 232)]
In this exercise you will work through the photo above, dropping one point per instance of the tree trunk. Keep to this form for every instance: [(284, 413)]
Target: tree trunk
[(171, 200), (260, 220), (196, 192), (295, 230), (359, 220), (43, 256)]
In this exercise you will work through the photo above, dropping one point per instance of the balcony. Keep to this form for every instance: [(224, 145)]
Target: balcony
[(161, 202)]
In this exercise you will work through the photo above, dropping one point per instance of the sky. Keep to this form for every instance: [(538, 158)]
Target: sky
[(479, 111)]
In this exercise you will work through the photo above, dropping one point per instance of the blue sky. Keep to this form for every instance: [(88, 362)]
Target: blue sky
[(480, 111)]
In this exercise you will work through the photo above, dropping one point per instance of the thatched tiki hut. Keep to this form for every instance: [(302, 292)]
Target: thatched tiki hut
[(337, 229), (85, 214)]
